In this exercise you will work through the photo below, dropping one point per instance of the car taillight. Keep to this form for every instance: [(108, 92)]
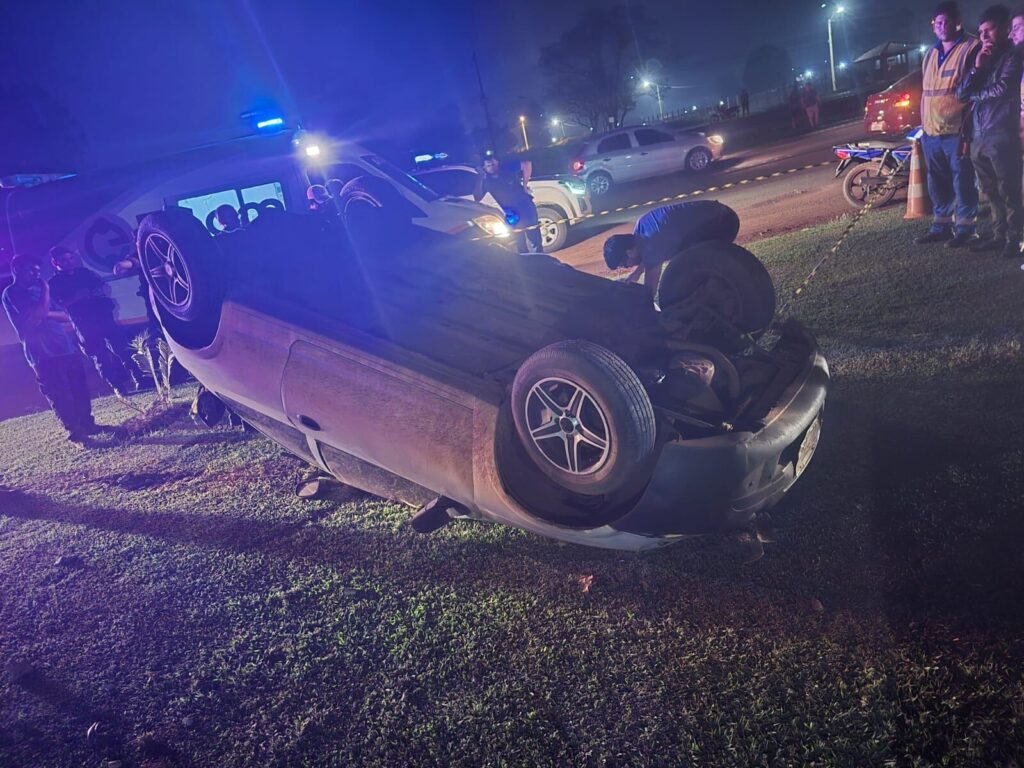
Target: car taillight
[(904, 101), (576, 166)]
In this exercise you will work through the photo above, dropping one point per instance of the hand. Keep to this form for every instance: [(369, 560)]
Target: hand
[(984, 56)]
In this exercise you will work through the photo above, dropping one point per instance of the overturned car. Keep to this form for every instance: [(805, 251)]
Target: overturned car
[(472, 382)]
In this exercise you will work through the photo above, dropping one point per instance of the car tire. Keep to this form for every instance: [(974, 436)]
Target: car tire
[(735, 284), (599, 183), (553, 235), (699, 159), (584, 418), (857, 194), (184, 269)]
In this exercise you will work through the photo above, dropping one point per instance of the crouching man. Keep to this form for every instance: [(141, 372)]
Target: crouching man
[(49, 348), (662, 233)]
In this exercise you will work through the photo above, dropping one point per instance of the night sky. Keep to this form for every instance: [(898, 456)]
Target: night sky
[(140, 78)]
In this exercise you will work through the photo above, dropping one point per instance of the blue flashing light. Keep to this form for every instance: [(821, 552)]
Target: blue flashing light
[(270, 122), (512, 218), (423, 158)]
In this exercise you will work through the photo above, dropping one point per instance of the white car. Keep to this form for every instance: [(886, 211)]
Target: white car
[(560, 201), (630, 154)]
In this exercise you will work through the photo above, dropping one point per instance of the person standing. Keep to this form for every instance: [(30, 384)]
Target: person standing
[(992, 88), (79, 292), (49, 347), (951, 181), (744, 102), (809, 101), (796, 110), (510, 191)]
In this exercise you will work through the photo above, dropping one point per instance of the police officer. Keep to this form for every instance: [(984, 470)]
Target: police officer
[(509, 190), (80, 293)]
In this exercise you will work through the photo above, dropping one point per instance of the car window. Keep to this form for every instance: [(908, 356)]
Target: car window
[(647, 136), (614, 143), (451, 182), (248, 201), (401, 178)]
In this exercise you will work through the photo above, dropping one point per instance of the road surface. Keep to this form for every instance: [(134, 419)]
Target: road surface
[(766, 208)]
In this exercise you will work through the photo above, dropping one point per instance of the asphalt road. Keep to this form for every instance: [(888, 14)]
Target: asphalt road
[(769, 207)]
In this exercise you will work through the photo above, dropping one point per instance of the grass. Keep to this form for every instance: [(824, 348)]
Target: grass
[(217, 620)]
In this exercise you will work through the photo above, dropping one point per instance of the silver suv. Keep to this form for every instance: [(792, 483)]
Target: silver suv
[(639, 153)]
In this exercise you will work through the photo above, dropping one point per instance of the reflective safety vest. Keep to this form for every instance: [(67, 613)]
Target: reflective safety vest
[(941, 112)]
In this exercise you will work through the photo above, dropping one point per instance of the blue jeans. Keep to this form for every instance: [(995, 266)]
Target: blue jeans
[(951, 185)]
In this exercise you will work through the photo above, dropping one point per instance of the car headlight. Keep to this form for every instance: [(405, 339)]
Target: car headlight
[(578, 188), (716, 139), (492, 225)]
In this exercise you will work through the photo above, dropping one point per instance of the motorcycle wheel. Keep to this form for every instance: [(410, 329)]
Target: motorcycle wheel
[(863, 183)]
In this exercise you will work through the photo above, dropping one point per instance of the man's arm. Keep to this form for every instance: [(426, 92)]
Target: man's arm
[(973, 88), (478, 190), (527, 168), (652, 275)]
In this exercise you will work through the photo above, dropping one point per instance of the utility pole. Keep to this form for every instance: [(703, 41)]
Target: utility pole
[(483, 103)]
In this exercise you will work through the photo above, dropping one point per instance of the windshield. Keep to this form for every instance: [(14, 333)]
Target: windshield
[(402, 178)]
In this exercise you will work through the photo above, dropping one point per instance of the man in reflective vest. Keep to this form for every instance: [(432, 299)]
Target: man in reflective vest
[(951, 181)]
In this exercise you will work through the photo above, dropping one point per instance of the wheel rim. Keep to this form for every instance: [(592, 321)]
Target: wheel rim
[(599, 184), (548, 231), (567, 427), (699, 160), (167, 272)]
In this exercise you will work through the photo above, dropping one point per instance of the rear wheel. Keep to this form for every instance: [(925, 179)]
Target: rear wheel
[(865, 183), (721, 277), (599, 183), (185, 272), (554, 229), (584, 418)]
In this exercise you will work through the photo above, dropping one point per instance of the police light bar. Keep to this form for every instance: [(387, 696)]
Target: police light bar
[(270, 122)]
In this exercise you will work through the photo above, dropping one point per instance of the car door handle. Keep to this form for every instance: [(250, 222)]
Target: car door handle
[(309, 423)]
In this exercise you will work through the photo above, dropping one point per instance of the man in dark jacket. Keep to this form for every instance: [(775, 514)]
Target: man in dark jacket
[(510, 190), (80, 292), (49, 348), (992, 88)]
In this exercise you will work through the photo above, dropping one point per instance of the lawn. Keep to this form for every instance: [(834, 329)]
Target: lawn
[(201, 614)]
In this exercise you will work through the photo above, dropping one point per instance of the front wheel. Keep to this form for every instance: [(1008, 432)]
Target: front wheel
[(699, 159), (866, 182), (584, 418), (554, 229)]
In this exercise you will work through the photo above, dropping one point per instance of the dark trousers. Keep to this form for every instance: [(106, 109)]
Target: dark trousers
[(62, 382), (102, 339), (531, 240), (950, 185), (997, 161)]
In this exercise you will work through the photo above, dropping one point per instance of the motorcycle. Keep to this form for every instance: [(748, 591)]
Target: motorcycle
[(880, 169)]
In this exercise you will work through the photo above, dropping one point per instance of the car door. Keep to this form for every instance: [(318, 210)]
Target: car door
[(616, 155), (658, 152)]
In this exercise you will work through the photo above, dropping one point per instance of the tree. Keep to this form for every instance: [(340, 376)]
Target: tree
[(37, 133), (768, 67), (588, 68)]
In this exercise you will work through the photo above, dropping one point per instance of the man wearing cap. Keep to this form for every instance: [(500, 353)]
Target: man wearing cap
[(510, 190), (661, 234)]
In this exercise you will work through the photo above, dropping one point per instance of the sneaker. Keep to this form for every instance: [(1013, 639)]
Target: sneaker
[(990, 244), (964, 240), (934, 237)]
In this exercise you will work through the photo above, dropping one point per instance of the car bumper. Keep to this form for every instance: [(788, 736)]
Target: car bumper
[(720, 483)]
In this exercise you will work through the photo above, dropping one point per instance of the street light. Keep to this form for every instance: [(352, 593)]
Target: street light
[(522, 124), (556, 123), (831, 50), (645, 85)]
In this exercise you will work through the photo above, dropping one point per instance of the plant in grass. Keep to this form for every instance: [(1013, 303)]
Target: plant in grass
[(159, 369)]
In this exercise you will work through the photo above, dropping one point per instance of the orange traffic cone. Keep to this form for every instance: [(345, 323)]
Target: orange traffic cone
[(919, 205)]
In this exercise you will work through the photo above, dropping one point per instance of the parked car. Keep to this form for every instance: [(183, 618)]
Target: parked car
[(560, 201), (897, 109), (487, 385), (638, 153)]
